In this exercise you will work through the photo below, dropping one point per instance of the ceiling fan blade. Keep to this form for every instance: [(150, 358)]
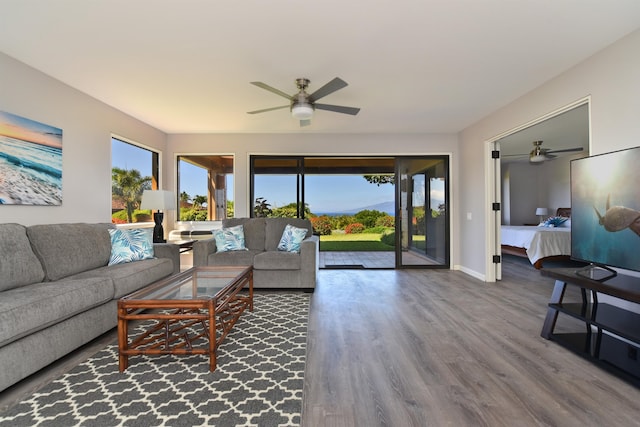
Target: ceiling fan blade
[(271, 89), (305, 123), (332, 86), (338, 109), (267, 109), (566, 150)]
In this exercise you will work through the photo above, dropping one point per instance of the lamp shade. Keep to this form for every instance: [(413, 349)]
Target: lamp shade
[(542, 211), (302, 111), (158, 200)]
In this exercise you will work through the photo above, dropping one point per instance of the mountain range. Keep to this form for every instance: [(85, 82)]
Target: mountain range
[(386, 207)]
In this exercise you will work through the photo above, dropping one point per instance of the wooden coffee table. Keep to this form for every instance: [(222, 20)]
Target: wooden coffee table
[(193, 312)]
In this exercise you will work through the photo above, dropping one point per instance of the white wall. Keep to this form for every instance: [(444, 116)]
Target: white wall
[(524, 190), (612, 79), (545, 185), (87, 126)]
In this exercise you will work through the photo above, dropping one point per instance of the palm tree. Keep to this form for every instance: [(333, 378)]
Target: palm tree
[(128, 186), (199, 201), (184, 198)]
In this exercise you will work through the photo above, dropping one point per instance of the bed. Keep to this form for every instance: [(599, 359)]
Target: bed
[(538, 243)]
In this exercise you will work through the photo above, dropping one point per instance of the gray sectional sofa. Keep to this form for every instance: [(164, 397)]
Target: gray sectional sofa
[(57, 291), (272, 268)]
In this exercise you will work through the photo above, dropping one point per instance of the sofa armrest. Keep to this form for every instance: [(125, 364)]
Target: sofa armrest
[(170, 251), (310, 261), (201, 251)]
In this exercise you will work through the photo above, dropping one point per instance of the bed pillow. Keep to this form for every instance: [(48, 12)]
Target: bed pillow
[(291, 238), (130, 245), (555, 221), (230, 239)]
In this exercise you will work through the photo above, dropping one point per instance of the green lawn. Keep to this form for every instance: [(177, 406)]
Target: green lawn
[(353, 242)]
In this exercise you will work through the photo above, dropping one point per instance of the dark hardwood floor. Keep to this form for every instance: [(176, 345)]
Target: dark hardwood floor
[(440, 348), (435, 348)]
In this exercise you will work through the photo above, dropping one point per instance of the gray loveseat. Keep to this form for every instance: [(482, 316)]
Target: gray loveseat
[(57, 291), (271, 268)]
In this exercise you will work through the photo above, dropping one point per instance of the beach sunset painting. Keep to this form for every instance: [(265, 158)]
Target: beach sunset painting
[(30, 162)]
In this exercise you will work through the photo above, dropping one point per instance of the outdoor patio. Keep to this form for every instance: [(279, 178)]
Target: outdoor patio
[(339, 259)]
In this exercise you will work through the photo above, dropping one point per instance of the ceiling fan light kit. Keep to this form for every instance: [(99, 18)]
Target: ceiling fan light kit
[(302, 111), (303, 105), (539, 155)]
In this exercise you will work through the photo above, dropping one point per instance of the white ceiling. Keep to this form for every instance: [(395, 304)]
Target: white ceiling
[(412, 65)]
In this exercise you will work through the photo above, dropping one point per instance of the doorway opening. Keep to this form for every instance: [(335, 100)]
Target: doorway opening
[(526, 183)]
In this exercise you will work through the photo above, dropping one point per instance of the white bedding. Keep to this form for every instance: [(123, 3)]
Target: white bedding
[(539, 242)]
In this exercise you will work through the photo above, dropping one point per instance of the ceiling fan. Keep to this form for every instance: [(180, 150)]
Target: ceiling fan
[(302, 104), (539, 154)]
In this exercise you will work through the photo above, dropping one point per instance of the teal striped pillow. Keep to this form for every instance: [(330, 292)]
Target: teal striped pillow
[(230, 239), (130, 245)]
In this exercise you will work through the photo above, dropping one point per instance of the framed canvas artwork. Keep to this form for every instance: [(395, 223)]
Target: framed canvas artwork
[(30, 162)]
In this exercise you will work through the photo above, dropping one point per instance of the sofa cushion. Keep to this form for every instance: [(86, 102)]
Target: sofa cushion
[(232, 258), (66, 249), (131, 276), (277, 260), (19, 265), (230, 239), (275, 227), (27, 309), (130, 245), (254, 229), (291, 238)]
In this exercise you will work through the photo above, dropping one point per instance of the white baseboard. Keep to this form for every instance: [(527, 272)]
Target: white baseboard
[(470, 272)]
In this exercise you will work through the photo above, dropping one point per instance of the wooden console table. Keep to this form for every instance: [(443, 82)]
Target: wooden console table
[(611, 337)]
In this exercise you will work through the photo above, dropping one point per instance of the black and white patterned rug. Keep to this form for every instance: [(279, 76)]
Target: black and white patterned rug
[(258, 380)]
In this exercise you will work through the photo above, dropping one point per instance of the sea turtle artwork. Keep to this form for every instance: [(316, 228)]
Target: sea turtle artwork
[(617, 218)]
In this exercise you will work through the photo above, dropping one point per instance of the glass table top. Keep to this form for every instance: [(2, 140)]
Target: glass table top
[(195, 283)]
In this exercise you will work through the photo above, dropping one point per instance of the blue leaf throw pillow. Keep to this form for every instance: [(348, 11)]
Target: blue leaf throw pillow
[(291, 238), (230, 239), (130, 245), (555, 221)]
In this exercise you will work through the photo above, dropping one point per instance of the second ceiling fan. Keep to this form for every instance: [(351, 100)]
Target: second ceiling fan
[(302, 104), (539, 154)]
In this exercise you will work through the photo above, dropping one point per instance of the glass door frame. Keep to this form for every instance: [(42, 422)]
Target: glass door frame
[(403, 225)]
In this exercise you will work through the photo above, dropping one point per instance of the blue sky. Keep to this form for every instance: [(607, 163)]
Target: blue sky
[(324, 193)]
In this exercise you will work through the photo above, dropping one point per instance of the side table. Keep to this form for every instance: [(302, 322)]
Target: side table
[(184, 245)]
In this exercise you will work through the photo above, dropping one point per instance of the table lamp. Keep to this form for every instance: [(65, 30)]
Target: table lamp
[(158, 200), (541, 212)]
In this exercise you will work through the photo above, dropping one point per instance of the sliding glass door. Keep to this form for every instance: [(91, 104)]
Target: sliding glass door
[(392, 208), (422, 220)]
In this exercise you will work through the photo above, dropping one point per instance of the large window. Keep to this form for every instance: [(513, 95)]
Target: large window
[(133, 170), (314, 186), (277, 187), (205, 186)]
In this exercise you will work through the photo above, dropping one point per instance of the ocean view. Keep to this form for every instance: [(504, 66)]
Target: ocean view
[(30, 173)]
